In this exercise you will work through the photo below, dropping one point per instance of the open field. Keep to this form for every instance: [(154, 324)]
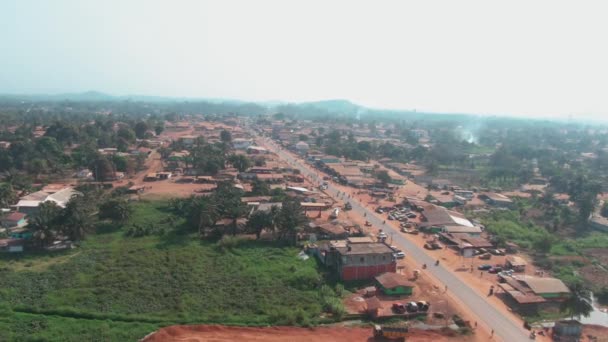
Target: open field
[(156, 281)]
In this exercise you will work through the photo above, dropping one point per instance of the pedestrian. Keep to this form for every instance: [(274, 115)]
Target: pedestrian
[(492, 333), (480, 274), (446, 289), (475, 324)]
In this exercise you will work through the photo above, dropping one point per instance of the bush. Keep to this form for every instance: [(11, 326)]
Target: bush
[(340, 290), (602, 295), (230, 242)]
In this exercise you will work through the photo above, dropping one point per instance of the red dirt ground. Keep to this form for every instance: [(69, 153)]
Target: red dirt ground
[(218, 333)]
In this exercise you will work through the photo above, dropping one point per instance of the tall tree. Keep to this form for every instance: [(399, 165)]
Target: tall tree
[(228, 199), (383, 176), (116, 210), (290, 220), (102, 169), (259, 188), (7, 195), (579, 302), (258, 222), (44, 223), (240, 162), (140, 129), (202, 213), (225, 137), (159, 128), (77, 217)]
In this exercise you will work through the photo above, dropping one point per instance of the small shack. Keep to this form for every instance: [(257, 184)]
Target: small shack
[(567, 330), (516, 263), (150, 177), (164, 175), (394, 284), (14, 219), (136, 189)]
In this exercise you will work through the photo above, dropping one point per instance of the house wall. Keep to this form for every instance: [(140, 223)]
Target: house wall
[(366, 272), (367, 259), (11, 224), (28, 210), (398, 291), (553, 295)]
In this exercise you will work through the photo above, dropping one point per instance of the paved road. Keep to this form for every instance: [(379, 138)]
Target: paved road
[(504, 328)]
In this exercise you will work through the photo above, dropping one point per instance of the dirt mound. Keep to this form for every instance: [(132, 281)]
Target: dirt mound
[(219, 333)]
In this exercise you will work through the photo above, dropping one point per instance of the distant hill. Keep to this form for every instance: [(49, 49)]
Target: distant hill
[(343, 106)]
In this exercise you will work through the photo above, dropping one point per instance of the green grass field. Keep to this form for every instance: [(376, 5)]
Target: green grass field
[(123, 288)]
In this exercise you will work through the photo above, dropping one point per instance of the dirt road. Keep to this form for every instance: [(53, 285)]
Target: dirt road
[(504, 327), (218, 333)]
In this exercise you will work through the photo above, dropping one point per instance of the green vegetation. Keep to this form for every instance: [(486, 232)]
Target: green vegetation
[(113, 283), (20, 326), (507, 226), (562, 255)]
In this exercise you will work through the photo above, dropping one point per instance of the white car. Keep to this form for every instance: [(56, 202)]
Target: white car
[(382, 235), (399, 255)]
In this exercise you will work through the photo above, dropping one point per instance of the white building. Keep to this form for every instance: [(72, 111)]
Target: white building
[(28, 204)]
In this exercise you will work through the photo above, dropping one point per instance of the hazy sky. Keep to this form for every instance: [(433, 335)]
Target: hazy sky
[(544, 58)]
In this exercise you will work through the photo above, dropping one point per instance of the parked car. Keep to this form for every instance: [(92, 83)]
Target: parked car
[(412, 307), (398, 308), (391, 217), (411, 215), (410, 231), (485, 256), (382, 235), (433, 245), (380, 211), (497, 252), (484, 267), (495, 269), (423, 305), (399, 255)]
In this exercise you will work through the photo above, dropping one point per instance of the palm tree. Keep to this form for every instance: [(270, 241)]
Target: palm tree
[(579, 302), (116, 210), (239, 162), (77, 218), (7, 195), (44, 223), (206, 214), (258, 221), (290, 220)]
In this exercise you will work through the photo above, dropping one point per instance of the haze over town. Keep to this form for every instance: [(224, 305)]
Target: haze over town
[(541, 59)]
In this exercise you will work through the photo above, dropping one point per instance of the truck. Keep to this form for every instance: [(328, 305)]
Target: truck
[(392, 333)]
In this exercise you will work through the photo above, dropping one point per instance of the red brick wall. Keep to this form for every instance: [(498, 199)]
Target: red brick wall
[(366, 272)]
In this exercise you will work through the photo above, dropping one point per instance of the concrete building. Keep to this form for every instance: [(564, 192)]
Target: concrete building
[(29, 204), (360, 260)]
